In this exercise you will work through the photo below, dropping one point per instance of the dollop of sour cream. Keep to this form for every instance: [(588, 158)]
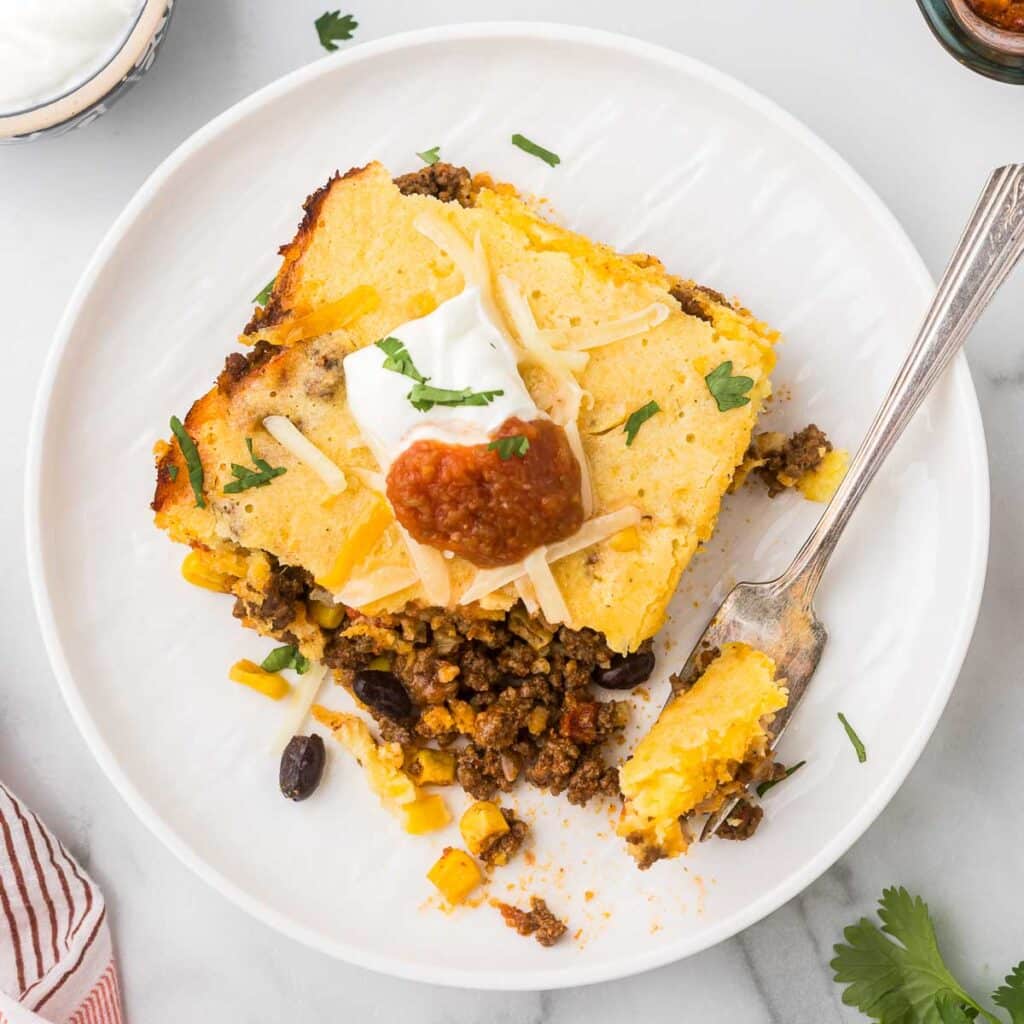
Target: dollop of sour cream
[(49, 47), (457, 346)]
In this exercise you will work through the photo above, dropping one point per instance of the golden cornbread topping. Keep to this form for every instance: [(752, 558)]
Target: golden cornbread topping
[(692, 756)]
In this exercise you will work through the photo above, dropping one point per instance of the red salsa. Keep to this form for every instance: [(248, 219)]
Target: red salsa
[(488, 509)]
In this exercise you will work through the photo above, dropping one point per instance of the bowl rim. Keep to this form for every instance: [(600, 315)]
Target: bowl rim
[(582, 973)]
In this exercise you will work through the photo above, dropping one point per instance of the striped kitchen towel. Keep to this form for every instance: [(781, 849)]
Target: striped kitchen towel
[(56, 959)]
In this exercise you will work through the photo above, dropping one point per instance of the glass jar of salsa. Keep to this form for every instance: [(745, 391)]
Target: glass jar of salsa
[(985, 35)]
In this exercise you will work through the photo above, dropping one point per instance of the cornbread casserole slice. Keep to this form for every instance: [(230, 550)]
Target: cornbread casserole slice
[(693, 756), (289, 500)]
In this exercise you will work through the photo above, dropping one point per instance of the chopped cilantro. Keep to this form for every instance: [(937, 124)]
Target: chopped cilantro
[(896, 975), (192, 460), (772, 783), (172, 473), (398, 359), (862, 754), (258, 477), (430, 156), (638, 419), (506, 447), (263, 296), (332, 26), (729, 392), (551, 159), (285, 657), (424, 397)]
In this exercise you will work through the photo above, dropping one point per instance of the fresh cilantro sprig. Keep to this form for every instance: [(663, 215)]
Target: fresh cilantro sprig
[(729, 392), (424, 397), (772, 783), (906, 981), (172, 473), (258, 477), (506, 447), (551, 159), (398, 359), (332, 26), (192, 461), (637, 419), (858, 746), (430, 156), (262, 297), (284, 657)]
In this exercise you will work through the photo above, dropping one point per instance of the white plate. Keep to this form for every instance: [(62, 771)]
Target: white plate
[(658, 153)]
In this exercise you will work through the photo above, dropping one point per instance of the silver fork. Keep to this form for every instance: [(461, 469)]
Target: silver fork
[(778, 617)]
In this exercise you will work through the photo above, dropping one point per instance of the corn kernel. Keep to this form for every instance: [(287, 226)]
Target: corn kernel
[(433, 767), (197, 571), (455, 874), (270, 684), (328, 616), (480, 822), (625, 540), (425, 814), (382, 663), (537, 721), (463, 715)]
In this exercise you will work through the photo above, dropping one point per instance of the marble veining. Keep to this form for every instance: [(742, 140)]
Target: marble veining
[(955, 829)]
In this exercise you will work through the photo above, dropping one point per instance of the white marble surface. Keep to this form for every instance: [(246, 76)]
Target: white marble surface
[(923, 132)]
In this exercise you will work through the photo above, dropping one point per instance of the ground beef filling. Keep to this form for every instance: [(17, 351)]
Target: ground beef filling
[(512, 696), (491, 510), (498, 850), (538, 921), (780, 462), (442, 181)]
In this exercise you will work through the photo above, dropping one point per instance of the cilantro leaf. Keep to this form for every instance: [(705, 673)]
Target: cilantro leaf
[(862, 754), (772, 783), (728, 391), (192, 460), (1010, 995), (424, 397), (430, 156), (901, 982), (172, 473), (258, 477), (637, 419), (332, 26), (287, 656), (398, 359), (262, 297), (551, 159), (506, 447)]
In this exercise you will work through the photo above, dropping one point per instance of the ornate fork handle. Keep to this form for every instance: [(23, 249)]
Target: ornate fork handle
[(990, 245)]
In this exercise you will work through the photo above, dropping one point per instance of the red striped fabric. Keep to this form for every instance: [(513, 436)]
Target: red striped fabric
[(56, 959)]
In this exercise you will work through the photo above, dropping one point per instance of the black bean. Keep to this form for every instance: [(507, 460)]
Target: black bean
[(626, 671), (302, 766), (382, 692)]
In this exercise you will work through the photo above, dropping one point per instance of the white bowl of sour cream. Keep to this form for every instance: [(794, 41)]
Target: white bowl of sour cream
[(63, 62)]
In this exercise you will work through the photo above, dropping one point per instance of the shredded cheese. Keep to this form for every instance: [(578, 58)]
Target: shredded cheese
[(524, 588), (583, 338), (431, 568), (360, 541), (369, 478), (299, 704), (549, 597), (381, 583), (332, 316), (471, 261), (535, 349), (286, 434), (591, 532)]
